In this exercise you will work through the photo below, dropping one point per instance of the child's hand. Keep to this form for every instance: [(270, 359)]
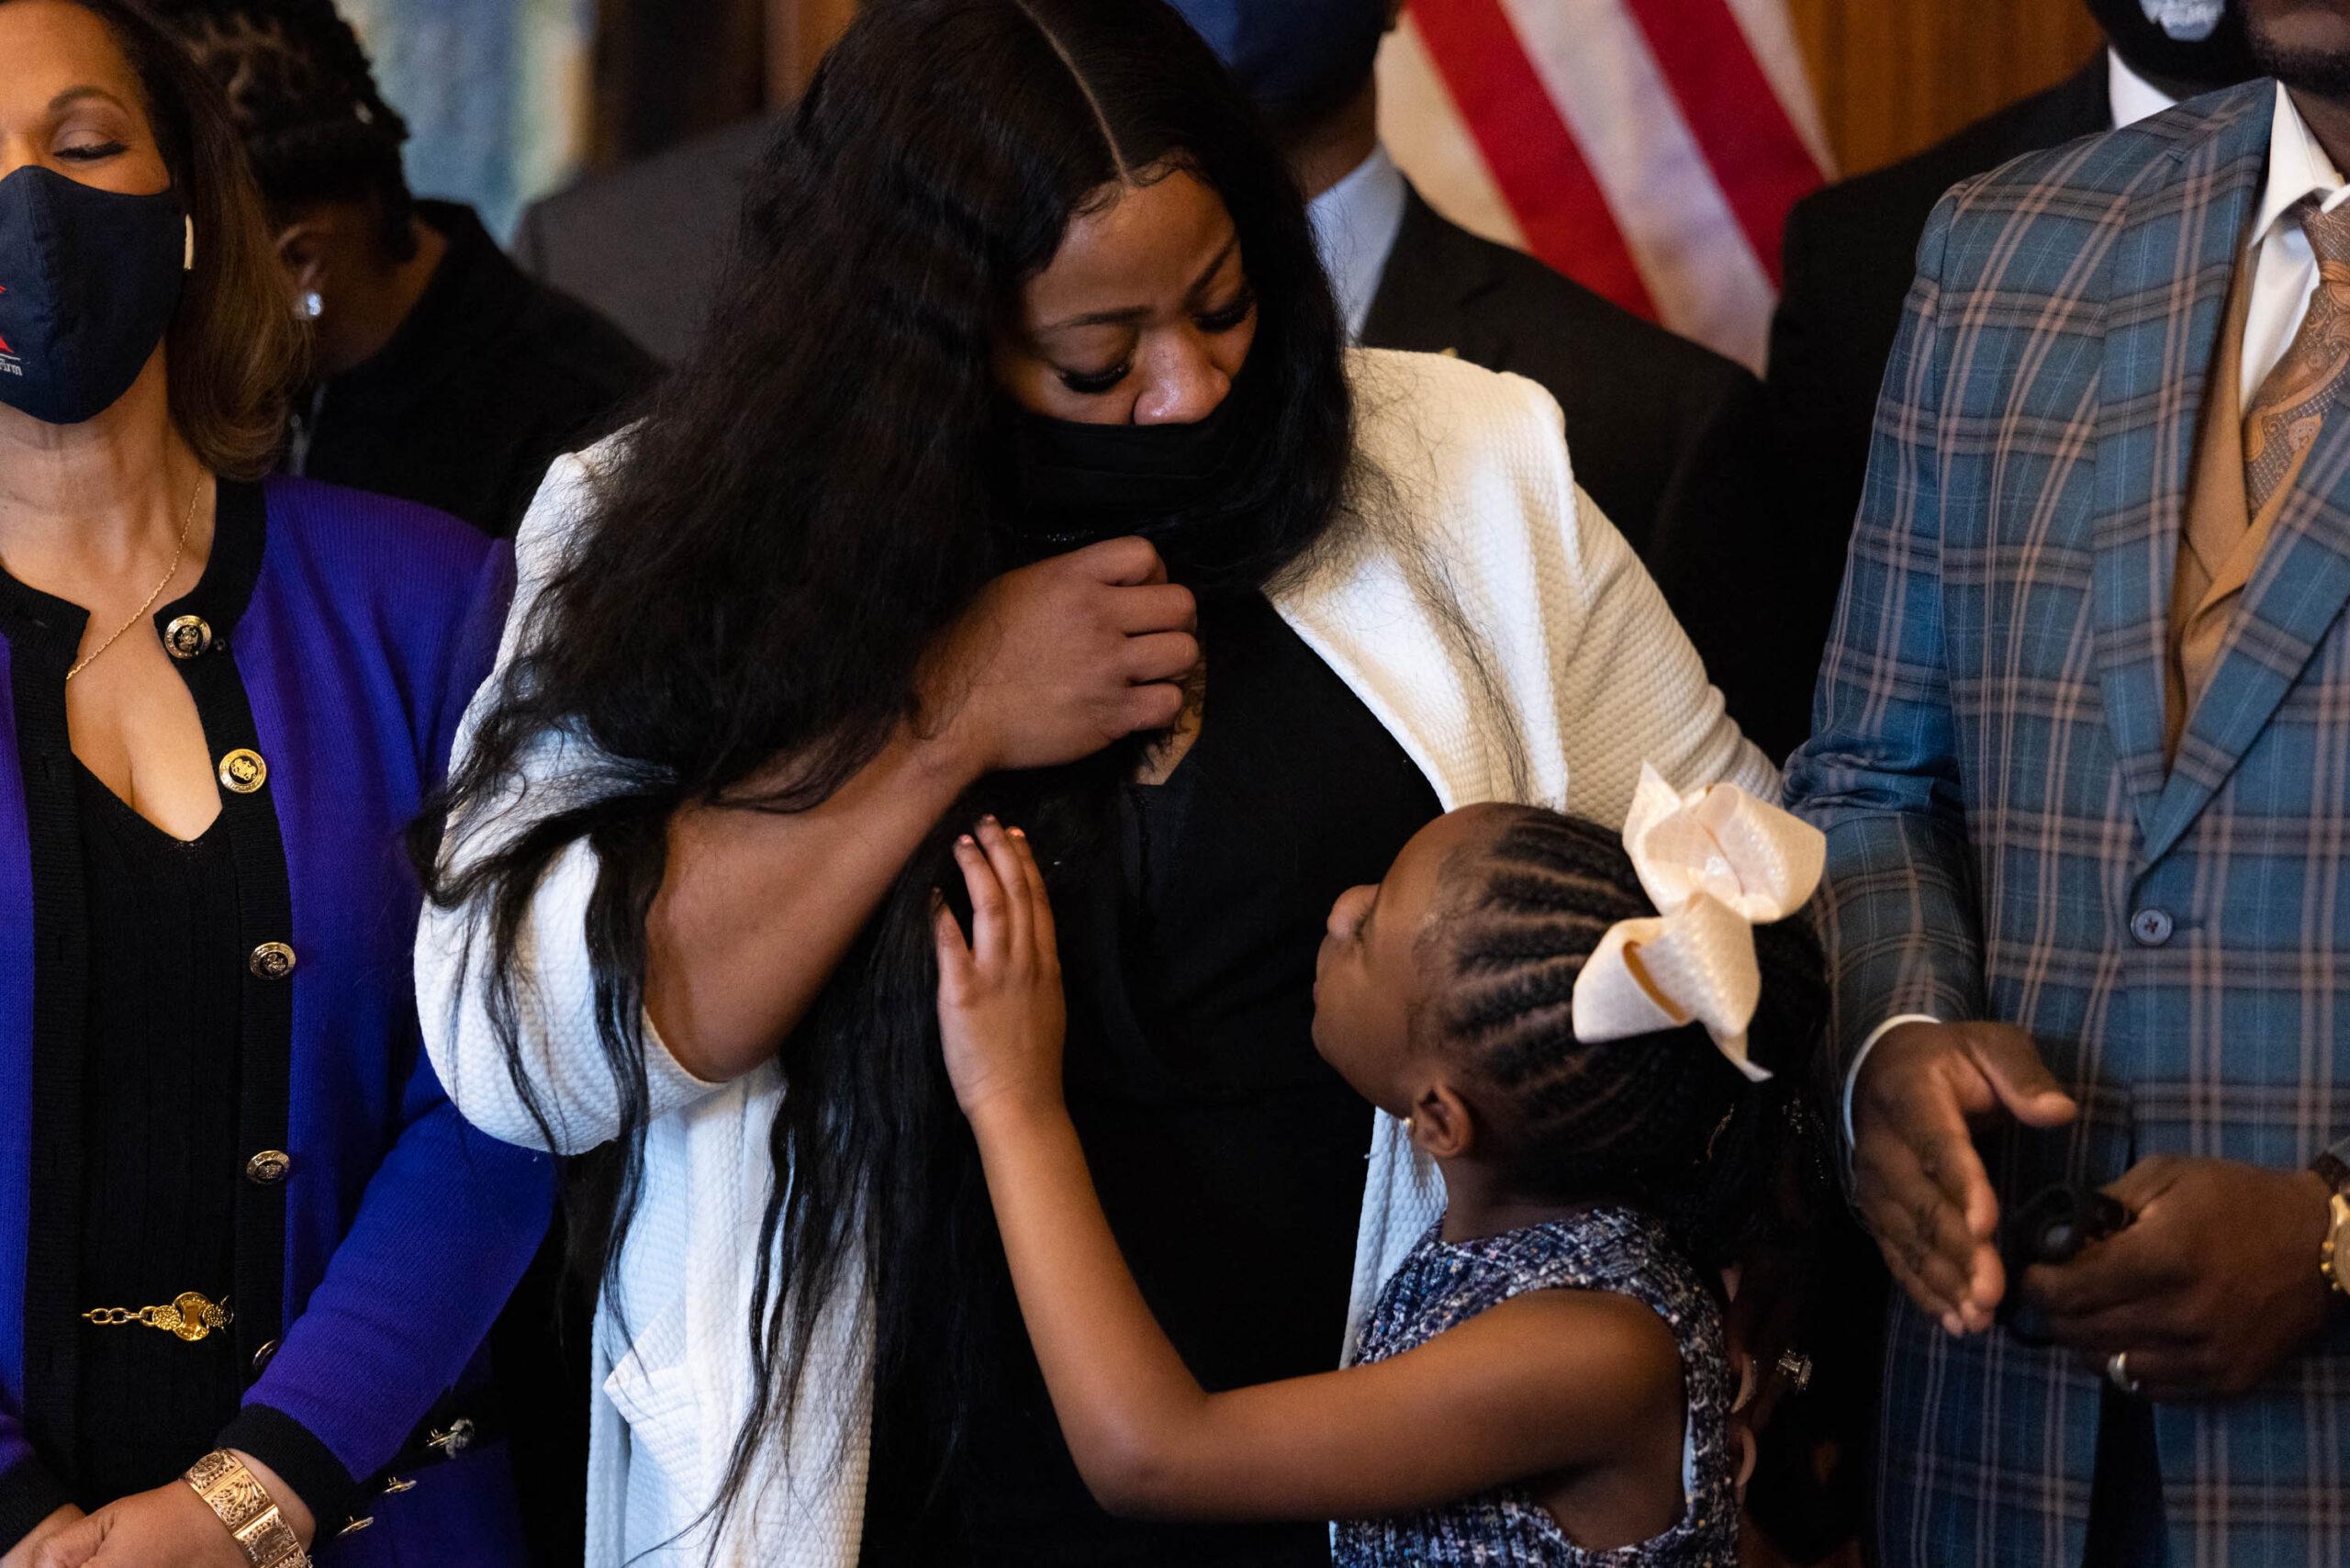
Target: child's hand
[(1001, 1012)]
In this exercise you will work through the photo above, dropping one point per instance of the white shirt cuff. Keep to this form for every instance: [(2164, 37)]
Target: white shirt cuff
[(1852, 1073)]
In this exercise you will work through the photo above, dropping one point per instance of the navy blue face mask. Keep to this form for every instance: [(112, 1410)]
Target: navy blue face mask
[(88, 282), (1299, 60)]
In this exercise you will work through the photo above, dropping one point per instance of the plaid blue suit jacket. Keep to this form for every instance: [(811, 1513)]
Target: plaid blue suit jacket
[(2006, 842)]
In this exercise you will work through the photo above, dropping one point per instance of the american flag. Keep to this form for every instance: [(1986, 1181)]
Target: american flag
[(1647, 149)]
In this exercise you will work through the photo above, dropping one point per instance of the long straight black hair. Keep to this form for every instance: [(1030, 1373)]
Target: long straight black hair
[(806, 505)]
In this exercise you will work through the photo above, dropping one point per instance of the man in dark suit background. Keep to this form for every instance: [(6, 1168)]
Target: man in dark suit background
[(643, 243), (1850, 250), (1667, 436)]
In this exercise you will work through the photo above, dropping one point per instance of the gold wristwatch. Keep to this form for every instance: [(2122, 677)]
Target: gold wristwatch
[(2333, 1259)]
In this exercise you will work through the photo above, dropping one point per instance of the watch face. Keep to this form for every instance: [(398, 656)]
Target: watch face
[(2336, 1262)]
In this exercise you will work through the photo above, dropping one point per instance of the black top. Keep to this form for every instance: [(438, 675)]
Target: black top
[(1849, 253), (74, 993), (159, 1126), (490, 378), (1229, 1156)]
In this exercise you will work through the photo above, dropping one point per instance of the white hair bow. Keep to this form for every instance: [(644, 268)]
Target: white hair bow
[(1717, 863)]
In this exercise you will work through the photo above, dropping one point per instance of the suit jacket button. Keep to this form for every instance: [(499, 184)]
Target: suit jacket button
[(268, 1168), (270, 960), (2151, 927), (186, 637), (243, 771)]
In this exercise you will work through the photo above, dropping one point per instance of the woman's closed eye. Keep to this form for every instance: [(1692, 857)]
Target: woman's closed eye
[(1092, 384), (92, 151), (1230, 317)]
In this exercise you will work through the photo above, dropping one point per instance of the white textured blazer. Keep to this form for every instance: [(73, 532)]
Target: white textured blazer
[(1580, 674)]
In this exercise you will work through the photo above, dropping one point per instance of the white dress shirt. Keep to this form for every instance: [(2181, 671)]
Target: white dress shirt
[(2284, 270), (1355, 225), (2133, 96), (2284, 276)]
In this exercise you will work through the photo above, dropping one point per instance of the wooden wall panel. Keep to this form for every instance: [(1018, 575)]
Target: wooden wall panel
[(799, 33), (1893, 75), (1898, 75)]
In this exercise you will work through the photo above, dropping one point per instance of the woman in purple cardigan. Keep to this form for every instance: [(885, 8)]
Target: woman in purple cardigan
[(248, 1251)]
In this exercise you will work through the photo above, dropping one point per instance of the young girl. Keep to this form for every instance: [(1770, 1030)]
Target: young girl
[(1544, 1379)]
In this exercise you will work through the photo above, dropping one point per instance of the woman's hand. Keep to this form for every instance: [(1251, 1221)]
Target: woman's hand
[(1057, 660), (22, 1555), (167, 1528), (170, 1527), (1001, 1011)]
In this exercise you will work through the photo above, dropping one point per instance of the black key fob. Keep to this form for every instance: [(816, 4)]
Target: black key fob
[(2055, 1226)]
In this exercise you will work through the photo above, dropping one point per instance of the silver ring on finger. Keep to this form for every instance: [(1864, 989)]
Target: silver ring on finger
[(2117, 1373)]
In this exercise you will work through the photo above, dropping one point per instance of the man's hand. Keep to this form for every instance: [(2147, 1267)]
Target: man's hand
[(2209, 1289), (1920, 1186)]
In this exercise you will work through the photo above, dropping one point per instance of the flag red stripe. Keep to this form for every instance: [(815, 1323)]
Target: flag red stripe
[(1528, 150), (1759, 159)]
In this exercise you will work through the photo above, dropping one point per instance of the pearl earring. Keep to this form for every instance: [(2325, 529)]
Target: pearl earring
[(311, 307), (1407, 1129)]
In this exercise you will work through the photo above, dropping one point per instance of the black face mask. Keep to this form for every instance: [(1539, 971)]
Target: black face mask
[(1074, 484), (2195, 44), (88, 282)]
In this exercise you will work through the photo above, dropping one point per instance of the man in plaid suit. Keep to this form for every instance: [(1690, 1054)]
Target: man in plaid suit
[(2082, 758)]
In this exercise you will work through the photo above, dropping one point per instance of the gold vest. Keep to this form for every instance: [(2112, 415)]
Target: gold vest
[(2203, 605)]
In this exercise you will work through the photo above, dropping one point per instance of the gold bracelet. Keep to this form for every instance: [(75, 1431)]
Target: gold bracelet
[(237, 1496)]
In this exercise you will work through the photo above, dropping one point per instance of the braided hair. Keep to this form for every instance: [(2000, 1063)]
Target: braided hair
[(306, 103), (1662, 1121)]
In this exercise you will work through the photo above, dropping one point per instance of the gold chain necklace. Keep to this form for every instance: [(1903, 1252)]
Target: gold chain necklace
[(178, 556)]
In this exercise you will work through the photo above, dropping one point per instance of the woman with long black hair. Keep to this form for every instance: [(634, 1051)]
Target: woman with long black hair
[(1019, 470)]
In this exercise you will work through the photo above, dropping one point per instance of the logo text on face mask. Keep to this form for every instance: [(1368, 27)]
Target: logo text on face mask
[(2187, 21), (6, 352)]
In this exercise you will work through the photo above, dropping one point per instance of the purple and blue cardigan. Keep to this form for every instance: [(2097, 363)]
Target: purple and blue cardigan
[(346, 634)]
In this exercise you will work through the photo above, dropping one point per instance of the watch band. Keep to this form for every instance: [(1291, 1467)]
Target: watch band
[(2334, 1254), (241, 1503)]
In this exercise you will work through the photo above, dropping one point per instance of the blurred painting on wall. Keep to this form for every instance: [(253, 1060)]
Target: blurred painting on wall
[(495, 94)]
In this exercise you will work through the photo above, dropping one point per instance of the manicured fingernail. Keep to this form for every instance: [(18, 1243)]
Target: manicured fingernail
[(988, 821), (1016, 832), (967, 841)]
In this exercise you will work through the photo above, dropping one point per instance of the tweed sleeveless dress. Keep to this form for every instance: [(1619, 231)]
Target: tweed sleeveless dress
[(1442, 1285)]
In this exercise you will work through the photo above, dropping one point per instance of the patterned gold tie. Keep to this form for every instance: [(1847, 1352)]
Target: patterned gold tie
[(2225, 541), (2295, 399)]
